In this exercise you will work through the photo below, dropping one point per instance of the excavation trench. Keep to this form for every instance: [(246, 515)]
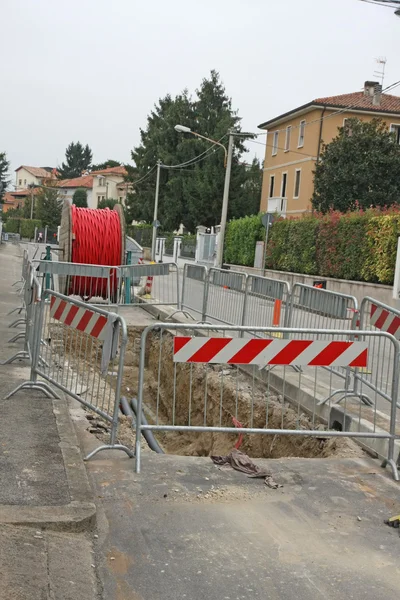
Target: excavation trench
[(180, 394)]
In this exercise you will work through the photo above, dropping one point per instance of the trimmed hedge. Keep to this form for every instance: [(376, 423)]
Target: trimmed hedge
[(240, 240), (358, 246), (25, 227)]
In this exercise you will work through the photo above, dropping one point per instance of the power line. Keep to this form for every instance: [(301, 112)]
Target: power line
[(194, 159)]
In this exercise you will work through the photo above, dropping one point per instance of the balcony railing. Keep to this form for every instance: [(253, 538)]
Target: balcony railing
[(277, 205)]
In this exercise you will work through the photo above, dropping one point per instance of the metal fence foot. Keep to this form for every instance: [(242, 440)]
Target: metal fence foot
[(346, 394), (125, 449), (34, 385), (19, 355), (17, 322), (16, 337), (393, 466), (19, 309)]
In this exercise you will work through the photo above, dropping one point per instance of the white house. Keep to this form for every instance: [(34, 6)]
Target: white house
[(100, 185), (25, 176)]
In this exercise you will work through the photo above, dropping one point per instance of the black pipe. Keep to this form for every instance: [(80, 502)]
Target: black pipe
[(147, 434), (130, 410)]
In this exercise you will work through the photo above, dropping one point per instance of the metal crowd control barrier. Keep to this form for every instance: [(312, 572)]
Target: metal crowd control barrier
[(211, 379), (225, 296), (97, 283), (83, 356), (193, 289), (32, 298), (159, 284), (376, 316), (268, 302)]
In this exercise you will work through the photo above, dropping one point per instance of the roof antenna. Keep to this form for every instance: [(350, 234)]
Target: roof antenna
[(381, 60)]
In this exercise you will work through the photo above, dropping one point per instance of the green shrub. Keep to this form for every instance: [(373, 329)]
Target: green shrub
[(12, 225), (240, 240), (291, 245), (28, 228)]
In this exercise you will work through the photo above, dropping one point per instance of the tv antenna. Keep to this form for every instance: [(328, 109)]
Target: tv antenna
[(380, 73)]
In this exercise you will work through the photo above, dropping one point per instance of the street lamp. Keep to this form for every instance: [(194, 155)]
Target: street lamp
[(225, 198)]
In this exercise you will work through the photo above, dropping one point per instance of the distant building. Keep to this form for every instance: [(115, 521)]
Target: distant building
[(100, 185), (26, 176), (294, 143)]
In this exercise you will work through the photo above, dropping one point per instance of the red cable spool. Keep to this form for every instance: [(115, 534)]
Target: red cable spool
[(92, 237)]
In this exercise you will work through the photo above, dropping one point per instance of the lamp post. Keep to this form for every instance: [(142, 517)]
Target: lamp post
[(155, 222), (225, 198)]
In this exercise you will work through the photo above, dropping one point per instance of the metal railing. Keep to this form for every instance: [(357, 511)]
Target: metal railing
[(79, 349), (156, 284), (268, 302), (225, 296), (193, 289), (202, 386)]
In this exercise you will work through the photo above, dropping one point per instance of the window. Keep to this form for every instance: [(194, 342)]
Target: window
[(271, 186), (275, 143), (302, 130), (284, 185), (120, 199), (101, 181), (19, 181), (24, 181), (287, 138), (297, 178), (396, 130)]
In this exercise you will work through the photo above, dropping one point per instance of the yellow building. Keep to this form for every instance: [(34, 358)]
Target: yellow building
[(295, 139)]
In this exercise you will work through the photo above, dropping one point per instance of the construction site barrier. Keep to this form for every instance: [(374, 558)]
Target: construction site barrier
[(32, 291), (212, 378), (97, 283), (156, 284), (193, 289), (268, 302), (225, 296), (79, 349), (377, 316)]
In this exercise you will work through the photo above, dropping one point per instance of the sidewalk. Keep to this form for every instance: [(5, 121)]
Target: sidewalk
[(46, 505)]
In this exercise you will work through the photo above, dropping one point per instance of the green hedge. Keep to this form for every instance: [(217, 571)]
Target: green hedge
[(357, 246), (25, 227), (240, 240)]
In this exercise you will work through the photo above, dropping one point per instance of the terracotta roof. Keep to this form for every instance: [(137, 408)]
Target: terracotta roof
[(111, 171), (355, 101), (8, 198), (25, 192), (37, 171), (86, 181)]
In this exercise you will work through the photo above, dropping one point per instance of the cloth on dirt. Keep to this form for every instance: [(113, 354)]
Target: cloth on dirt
[(241, 462)]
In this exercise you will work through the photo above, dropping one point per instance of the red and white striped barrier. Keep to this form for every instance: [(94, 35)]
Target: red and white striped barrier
[(385, 321), (82, 319), (270, 352)]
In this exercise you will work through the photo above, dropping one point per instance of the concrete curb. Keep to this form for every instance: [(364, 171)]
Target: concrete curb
[(80, 513)]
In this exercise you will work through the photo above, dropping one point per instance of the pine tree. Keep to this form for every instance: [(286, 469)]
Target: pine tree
[(78, 160), (48, 206), (107, 164)]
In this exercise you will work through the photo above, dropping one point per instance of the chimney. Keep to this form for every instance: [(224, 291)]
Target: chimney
[(369, 88), (376, 98)]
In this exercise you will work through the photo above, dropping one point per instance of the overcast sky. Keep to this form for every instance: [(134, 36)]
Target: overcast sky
[(90, 70)]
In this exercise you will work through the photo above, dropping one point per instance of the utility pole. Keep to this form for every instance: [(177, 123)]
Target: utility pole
[(225, 201), (31, 203), (155, 222)]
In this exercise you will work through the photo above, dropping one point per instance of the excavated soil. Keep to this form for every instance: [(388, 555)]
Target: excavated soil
[(227, 393)]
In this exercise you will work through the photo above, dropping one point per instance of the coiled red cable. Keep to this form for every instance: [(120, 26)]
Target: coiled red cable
[(96, 240)]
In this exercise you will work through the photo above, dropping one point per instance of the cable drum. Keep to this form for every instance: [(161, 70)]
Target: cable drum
[(91, 237)]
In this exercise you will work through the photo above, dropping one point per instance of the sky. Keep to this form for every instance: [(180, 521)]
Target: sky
[(91, 70)]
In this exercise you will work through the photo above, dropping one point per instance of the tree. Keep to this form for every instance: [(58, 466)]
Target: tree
[(4, 174), (107, 203), (78, 159), (360, 168), (108, 164), (48, 206), (80, 198), (191, 194)]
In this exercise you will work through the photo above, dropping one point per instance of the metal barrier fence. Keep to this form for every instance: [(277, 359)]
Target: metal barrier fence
[(225, 296), (157, 284), (92, 282), (82, 355), (193, 289), (32, 298), (268, 302), (376, 316), (202, 386)]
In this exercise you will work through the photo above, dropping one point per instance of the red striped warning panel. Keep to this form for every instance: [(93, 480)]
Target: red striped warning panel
[(260, 352), (82, 319), (385, 320)]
